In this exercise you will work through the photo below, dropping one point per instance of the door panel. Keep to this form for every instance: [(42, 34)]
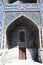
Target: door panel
[(22, 53)]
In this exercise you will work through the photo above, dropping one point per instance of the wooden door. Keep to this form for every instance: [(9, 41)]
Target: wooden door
[(22, 53)]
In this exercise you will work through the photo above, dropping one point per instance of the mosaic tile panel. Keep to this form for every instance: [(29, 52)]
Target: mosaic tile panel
[(0, 1), (42, 18), (41, 7), (9, 16), (0, 28), (22, 7), (41, 1)]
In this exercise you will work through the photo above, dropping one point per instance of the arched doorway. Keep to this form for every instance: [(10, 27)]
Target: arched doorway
[(22, 48), (27, 40)]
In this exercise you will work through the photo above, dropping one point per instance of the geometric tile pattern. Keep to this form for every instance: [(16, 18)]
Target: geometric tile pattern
[(9, 16)]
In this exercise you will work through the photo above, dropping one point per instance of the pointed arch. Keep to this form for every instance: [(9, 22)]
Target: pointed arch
[(31, 29), (23, 20), (20, 17)]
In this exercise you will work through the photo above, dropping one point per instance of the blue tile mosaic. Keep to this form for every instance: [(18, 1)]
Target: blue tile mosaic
[(42, 18), (41, 1), (9, 16), (0, 28), (1, 1), (22, 7)]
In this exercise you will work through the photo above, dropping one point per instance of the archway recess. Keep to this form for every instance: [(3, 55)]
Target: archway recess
[(23, 23), (23, 1)]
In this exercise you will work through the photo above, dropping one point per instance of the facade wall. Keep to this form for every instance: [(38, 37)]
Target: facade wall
[(9, 12)]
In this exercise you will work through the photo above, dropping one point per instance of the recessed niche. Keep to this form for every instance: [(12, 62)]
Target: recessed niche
[(23, 1)]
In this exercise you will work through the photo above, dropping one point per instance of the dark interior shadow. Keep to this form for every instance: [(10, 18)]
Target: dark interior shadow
[(34, 54)]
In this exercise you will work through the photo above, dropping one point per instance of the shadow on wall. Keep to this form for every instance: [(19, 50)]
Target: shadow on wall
[(34, 54)]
